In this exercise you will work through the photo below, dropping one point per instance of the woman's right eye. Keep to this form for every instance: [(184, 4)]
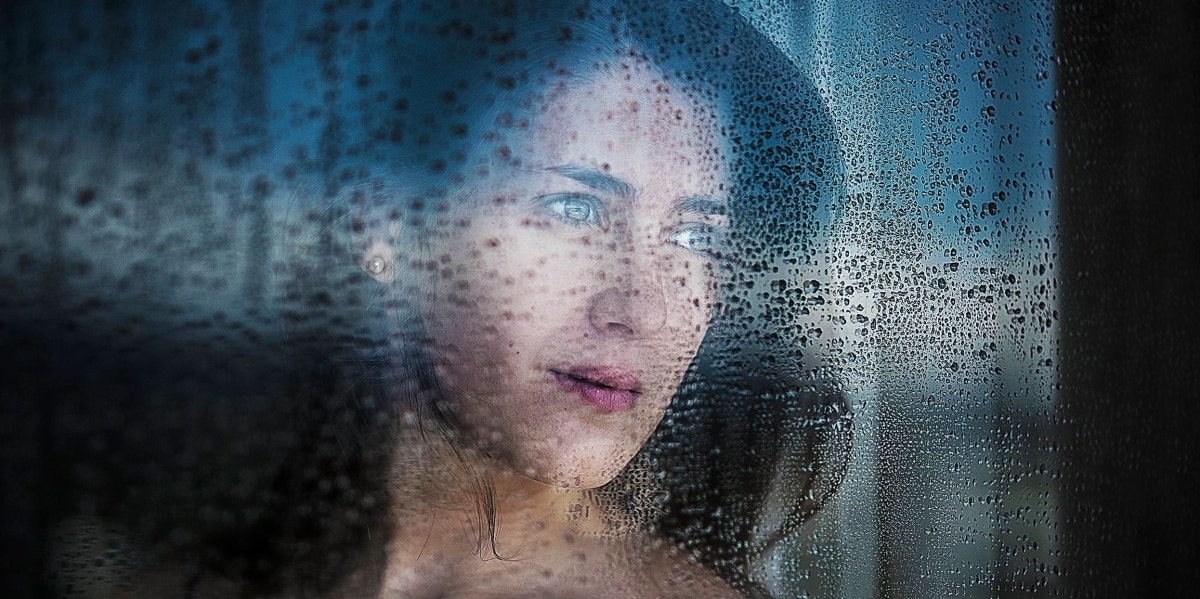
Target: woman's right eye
[(577, 209)]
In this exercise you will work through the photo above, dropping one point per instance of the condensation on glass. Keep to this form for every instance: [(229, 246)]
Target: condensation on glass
[(369, 297)]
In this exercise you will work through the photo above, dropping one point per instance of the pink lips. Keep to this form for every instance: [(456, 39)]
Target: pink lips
[(610, 389)]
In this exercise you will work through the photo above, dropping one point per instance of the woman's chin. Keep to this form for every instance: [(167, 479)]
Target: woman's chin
[(572, 480), (574, 475)]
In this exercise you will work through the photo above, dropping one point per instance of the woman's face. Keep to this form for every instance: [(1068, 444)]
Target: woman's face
[(574, 277)]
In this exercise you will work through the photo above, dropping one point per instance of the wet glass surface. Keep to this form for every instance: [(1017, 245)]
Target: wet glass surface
[(505, 299)]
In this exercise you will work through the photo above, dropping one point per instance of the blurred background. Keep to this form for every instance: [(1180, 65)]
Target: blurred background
[(1017, 252)]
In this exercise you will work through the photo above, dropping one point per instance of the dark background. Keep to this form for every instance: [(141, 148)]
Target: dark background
[(1131, 248)]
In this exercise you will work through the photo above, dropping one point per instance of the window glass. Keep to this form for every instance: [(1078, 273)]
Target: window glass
[(620, 298), (948, 242)]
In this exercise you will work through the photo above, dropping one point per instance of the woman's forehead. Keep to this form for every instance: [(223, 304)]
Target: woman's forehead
[(620, 114)]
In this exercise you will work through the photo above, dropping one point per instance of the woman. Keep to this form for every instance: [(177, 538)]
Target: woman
[(571, 222), (589, 179)]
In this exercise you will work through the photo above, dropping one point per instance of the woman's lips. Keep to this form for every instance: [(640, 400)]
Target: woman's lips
[(609, 389)]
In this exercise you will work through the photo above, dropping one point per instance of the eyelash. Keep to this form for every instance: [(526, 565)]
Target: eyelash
[(558, 205), (707, 233)]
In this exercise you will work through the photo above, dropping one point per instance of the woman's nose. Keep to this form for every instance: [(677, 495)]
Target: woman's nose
[(634, 307)]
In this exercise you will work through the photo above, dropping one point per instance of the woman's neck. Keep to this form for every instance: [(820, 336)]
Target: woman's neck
[(544, 541), (458, 502)]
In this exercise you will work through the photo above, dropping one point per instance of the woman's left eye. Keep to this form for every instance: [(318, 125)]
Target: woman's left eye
[(574, 208), (697, 237)]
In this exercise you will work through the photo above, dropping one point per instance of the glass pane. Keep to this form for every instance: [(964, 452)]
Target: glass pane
[(619, 298)]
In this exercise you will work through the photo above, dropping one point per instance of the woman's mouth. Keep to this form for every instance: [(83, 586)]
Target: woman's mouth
[(609, 389)]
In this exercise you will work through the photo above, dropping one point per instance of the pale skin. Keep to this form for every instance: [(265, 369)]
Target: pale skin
[(574, 284)]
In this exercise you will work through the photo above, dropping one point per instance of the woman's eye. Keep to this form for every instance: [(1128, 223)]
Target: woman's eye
[(700, 238), (574, 208)]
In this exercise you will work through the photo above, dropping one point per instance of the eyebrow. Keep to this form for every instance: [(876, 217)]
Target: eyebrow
[(703, 205), (596, 180)]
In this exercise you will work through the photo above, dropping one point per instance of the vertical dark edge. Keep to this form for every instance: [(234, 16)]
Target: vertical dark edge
[(23, 420), (1127, 203)]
